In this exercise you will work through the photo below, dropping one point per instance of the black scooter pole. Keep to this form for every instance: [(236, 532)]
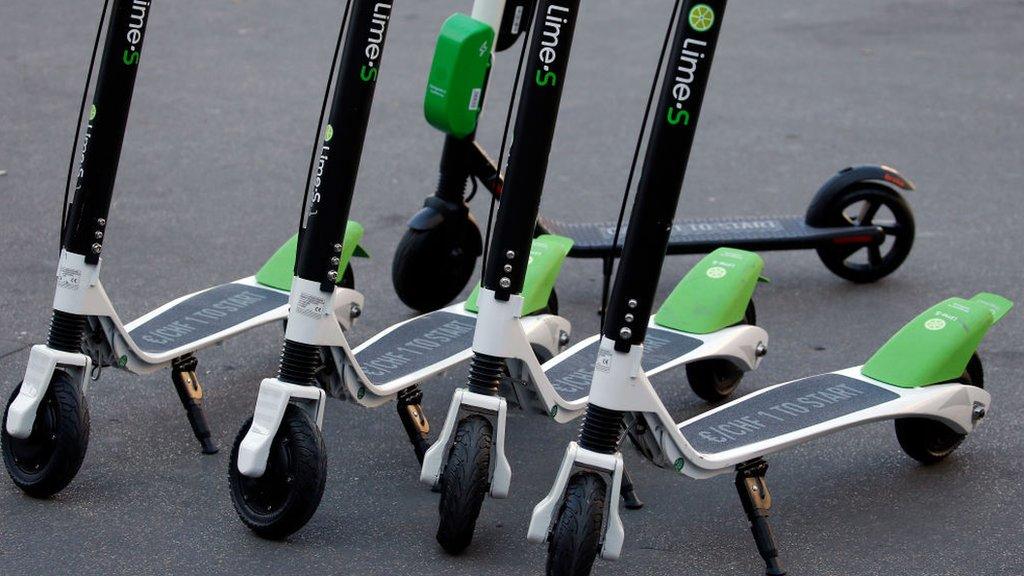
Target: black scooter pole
[(83, 231), (104, 134), (675, 123), (661, 180), (541, 94), (338, 163)]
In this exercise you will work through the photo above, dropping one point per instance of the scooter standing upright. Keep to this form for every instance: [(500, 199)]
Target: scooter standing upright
[(277, 472), (927, 377), (468, 460), (46, 423)]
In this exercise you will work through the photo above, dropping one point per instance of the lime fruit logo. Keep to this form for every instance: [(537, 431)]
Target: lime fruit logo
[(328, 133), (92, 112), (935, 324), (716, 272), (702, 18)]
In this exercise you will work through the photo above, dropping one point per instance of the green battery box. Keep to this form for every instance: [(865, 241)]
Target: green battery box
[(457, 75)]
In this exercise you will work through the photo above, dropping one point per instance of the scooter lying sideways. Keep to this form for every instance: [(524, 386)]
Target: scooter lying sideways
[(928, 378), (278, 466), (468, 460), (46, 424), (858, 221)]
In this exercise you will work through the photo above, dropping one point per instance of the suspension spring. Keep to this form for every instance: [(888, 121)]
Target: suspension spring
[(299, 363), (485, 374), (602, 430), (66, 331)]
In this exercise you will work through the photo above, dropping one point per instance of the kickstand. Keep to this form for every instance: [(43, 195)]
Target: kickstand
[(186, 383), (757, 501), (410, 412), (629, 497)]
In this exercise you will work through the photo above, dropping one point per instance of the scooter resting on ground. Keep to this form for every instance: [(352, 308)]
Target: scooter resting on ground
[(278, 465), (858, 222), (46, 424), (468, 460), (926, 377)]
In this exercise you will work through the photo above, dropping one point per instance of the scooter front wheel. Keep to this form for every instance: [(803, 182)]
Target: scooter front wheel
[(716, 379), (431, 267), (930, 441), (45, 462), (285, 497), (464, 484), (575, 539)]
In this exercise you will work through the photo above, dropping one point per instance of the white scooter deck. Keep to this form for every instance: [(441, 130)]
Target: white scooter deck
[(204, 318), (786, 414)]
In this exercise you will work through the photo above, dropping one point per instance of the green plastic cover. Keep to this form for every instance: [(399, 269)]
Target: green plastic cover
[(936, 346), (714, 294), (457, 75), (547, 254), (280, 268)]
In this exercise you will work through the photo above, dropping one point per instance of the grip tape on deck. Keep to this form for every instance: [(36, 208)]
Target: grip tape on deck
[(417, 344), (205, 314), (787, 408)]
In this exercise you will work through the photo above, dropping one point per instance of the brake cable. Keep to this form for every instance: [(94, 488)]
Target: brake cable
[(504, 140), (639, 142)]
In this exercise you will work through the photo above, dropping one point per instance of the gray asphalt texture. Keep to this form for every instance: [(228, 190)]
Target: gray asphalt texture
[(210, 182)]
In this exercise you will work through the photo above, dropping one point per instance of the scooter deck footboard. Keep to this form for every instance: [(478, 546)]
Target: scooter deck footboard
[(415, 345), (698, 236), (572, 375), (782, 410), (206, 317)]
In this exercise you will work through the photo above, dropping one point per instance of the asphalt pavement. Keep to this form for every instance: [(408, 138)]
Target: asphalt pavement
[(210, 184)]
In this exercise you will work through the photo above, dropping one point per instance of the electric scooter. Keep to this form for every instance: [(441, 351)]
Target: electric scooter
[(927, 377), (46, 423), (858, 222), (277, 471), (709, 331)]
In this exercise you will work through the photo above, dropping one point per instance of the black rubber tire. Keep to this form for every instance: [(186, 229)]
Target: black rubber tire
[(431, 267), (48, 460), (290, 490), (575, 539), (464, 484), (716, 379), (930, 441), (829, 211)]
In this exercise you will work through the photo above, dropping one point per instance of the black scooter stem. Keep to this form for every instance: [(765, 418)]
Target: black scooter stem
[(337, 167), (675, 123), (544, 77), (104, 132)]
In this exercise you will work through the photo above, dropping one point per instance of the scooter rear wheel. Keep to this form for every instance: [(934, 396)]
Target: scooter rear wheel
[(877, 205), (431, 267), (285, 497), (930, 441), (575, 539), (464, 484), (716, 379), (45, 462)]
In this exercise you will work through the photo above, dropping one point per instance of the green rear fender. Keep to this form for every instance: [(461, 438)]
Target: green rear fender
[(936, 346), (547, 254), (280, 268), (714, 294)]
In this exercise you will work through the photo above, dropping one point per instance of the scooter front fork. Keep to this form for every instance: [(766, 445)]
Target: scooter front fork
[(757, 501), (410, 412), (190, 392)]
